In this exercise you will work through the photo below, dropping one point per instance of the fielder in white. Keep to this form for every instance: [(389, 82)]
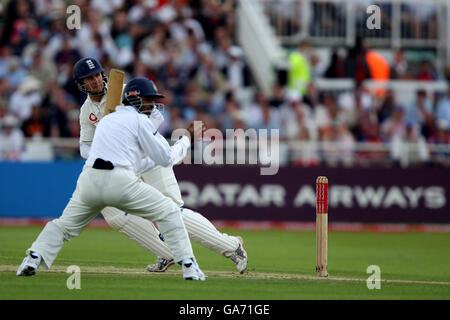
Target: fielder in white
[(90, 78), (125, 143)]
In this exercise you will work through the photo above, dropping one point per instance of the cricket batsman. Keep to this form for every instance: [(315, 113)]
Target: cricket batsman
[(90, 78)]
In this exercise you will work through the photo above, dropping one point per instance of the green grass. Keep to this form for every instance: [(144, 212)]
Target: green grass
[(406, 256)]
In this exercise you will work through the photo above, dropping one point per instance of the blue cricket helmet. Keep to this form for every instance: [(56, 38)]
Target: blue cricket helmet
[(84, 68), (138, 88)]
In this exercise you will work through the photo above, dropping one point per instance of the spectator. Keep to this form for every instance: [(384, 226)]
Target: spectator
[(11, 139), (421, 113), (99, 5), (313, 96), (223, 43), (355, 65), (299, 74), (441, 137), (141, 70), (426, 73), (24, 27), (154, 50), (118, 43), (39, 47), (59, 112), (237, 73), (400, 66), (261, 115), (326, 114), (212, 15), (393, 125), (5, 55), (442, 134), (73, 117), (370, 133), (346, 145), (3, 110), (15, 72), (192, 104), (143, 12), (368, 127), (277, 97), (172, 77), (5, 88), (179, 27), (38, 123), (89, 36), (409, 148), (387, 106), (44, 71), (23, 100), (209, 79), (295, 127), (353, 102), (307, 154), (68, 54), (340, 146), (443, 107), (379, 71), (233, 117), (447, 74), (190, 53), (291, 111), (337, 65)]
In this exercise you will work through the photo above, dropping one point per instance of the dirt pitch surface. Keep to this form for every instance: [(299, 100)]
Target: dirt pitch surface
[(216, 274)]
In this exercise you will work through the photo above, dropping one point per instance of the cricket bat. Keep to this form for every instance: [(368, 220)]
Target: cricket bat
[(114, 93)]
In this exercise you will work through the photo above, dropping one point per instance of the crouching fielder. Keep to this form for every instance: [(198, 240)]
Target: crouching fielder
[(90, 78), (109, 179)]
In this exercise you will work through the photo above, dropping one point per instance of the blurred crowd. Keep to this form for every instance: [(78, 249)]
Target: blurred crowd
[(328, 18), (189, 49)]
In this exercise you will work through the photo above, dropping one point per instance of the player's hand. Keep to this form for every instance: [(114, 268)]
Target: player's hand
[(195, 130)]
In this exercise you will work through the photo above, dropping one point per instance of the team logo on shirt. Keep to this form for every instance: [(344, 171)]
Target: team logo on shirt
[(93, 118)]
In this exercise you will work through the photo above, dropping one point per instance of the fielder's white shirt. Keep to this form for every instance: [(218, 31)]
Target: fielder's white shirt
[(125, 136), (159, 177)]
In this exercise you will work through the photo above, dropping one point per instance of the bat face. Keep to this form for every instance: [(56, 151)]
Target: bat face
[(114, 93)]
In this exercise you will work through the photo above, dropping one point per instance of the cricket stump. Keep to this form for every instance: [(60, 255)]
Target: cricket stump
[(321, 226)]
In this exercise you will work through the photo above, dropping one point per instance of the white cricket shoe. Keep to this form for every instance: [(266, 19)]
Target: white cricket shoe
[(191, 270), (239, 256), (161, 265), (29, 265)]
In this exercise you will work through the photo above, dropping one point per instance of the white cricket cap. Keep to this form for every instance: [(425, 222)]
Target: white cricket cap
[(235, 51), (9, 121), (29, 84), (442, 124), (293, 96)]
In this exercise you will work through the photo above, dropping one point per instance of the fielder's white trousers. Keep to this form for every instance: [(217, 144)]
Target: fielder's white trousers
[(120, 188)]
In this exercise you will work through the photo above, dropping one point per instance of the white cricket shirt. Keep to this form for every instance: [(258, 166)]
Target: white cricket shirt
[(124, 136)]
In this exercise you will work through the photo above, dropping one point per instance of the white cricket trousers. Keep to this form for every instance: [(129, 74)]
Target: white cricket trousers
[(120, 188)]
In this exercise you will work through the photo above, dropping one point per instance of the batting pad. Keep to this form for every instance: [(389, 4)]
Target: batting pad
[(140, 230), (202, 231)]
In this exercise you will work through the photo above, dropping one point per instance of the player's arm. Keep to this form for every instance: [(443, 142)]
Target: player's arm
[(85, 147), (145, 165), (157, 148), (87, 131)]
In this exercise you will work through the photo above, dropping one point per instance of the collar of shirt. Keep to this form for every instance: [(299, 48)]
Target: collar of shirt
[(97, 102), (126, 109)]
